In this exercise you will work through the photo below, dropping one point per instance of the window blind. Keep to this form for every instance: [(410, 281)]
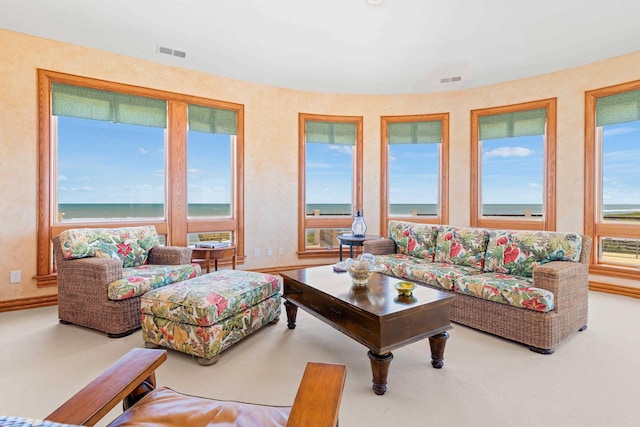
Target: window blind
[(331, 133), (213, 120), (88, 103), (427, 132), (509, 125), (619, 108)]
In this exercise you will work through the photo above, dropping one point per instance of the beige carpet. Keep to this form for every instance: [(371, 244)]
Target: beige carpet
[(593, 379)]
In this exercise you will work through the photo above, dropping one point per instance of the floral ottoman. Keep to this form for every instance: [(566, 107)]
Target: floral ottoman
[(207, 314)]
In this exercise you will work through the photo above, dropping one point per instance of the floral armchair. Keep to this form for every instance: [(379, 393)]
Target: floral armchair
[(102, 272)]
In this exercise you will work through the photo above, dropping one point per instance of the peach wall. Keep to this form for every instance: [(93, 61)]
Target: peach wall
[(271, 140)]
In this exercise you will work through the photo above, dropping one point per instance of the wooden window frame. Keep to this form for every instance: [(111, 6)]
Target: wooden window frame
[(176, 225), (308, 221), (443, 160), (548, 220), (594, 227)]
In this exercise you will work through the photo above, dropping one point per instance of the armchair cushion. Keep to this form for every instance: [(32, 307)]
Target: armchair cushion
[(184, 410), (131, 245), (141, 279)]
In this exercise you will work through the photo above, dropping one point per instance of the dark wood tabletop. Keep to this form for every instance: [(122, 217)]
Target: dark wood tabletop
[(373, 315)]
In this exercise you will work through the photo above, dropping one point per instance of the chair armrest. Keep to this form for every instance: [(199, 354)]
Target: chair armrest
[(170, 255), (96, 399), (317, 402), (568, 280), (379, 246), (93, 275)]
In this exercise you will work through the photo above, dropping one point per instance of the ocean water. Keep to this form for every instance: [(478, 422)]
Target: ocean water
[(75, 211)]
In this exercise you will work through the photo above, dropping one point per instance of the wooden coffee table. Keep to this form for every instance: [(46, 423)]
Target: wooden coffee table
[(374, 315)]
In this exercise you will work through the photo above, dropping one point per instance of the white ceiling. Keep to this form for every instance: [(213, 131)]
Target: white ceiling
[(345, 46)]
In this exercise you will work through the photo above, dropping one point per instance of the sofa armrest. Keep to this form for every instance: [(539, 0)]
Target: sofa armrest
[(133, 374), (569, 282), (379, 247), (170, 255)]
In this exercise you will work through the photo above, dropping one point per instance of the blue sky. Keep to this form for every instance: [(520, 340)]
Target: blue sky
[(103, 162)]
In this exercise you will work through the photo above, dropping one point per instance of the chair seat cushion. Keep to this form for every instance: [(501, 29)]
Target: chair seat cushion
[(210, 298), (167, 407), (139, 280), (506, 289)]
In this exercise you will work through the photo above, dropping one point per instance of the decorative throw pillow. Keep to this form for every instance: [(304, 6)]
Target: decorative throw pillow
[(519, 252), (461, 245)]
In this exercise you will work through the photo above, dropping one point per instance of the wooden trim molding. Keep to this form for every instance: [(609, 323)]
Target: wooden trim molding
[(31, 302), (328, 222), (176, 225), (594, 226), (626, 291), (443, 179), (548, 221)]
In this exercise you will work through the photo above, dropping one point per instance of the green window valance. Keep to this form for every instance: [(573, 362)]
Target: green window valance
[(87, 103), (619, 108), (427, 132), (213, 120), (331, 133), (509, 125)]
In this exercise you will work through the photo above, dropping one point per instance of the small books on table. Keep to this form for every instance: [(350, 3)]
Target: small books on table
[(212, 245)]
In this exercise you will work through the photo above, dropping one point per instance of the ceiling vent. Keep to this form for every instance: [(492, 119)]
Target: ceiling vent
[(172, 52), (452, 79)]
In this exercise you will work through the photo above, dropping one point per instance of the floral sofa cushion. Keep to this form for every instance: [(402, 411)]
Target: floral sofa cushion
[(439, 274), (129, 244), (506, 289), (519, 252), (139, 280), (418, 240), (396, 264), (210, 298), (463, 246)]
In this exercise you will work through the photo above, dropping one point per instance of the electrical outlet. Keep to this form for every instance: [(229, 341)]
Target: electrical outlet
[(256, 253), (269, 252), (281, 250), (15, 276)]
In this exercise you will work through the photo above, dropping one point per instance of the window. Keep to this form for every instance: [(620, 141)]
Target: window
[(612, 207), (330, 180), (415, 165), (117, 155), (513, 166)]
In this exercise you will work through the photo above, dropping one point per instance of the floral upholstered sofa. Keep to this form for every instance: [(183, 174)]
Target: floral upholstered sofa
[(102, 272), (526, 286)]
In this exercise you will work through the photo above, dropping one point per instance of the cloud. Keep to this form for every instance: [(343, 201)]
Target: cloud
[(533, 184), (62, 178), (343, 149), (509, 152), (620, 131), (142, 150)]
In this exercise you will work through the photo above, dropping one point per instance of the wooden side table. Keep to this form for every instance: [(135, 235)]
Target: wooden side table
[(351, 241), (204, 256)]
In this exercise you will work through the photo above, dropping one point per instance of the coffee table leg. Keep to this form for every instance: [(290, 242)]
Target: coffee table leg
[(380, 368), (437, 343), (292, 313)]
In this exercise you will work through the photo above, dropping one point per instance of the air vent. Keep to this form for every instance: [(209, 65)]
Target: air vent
[(172, 52), (451, 79)]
